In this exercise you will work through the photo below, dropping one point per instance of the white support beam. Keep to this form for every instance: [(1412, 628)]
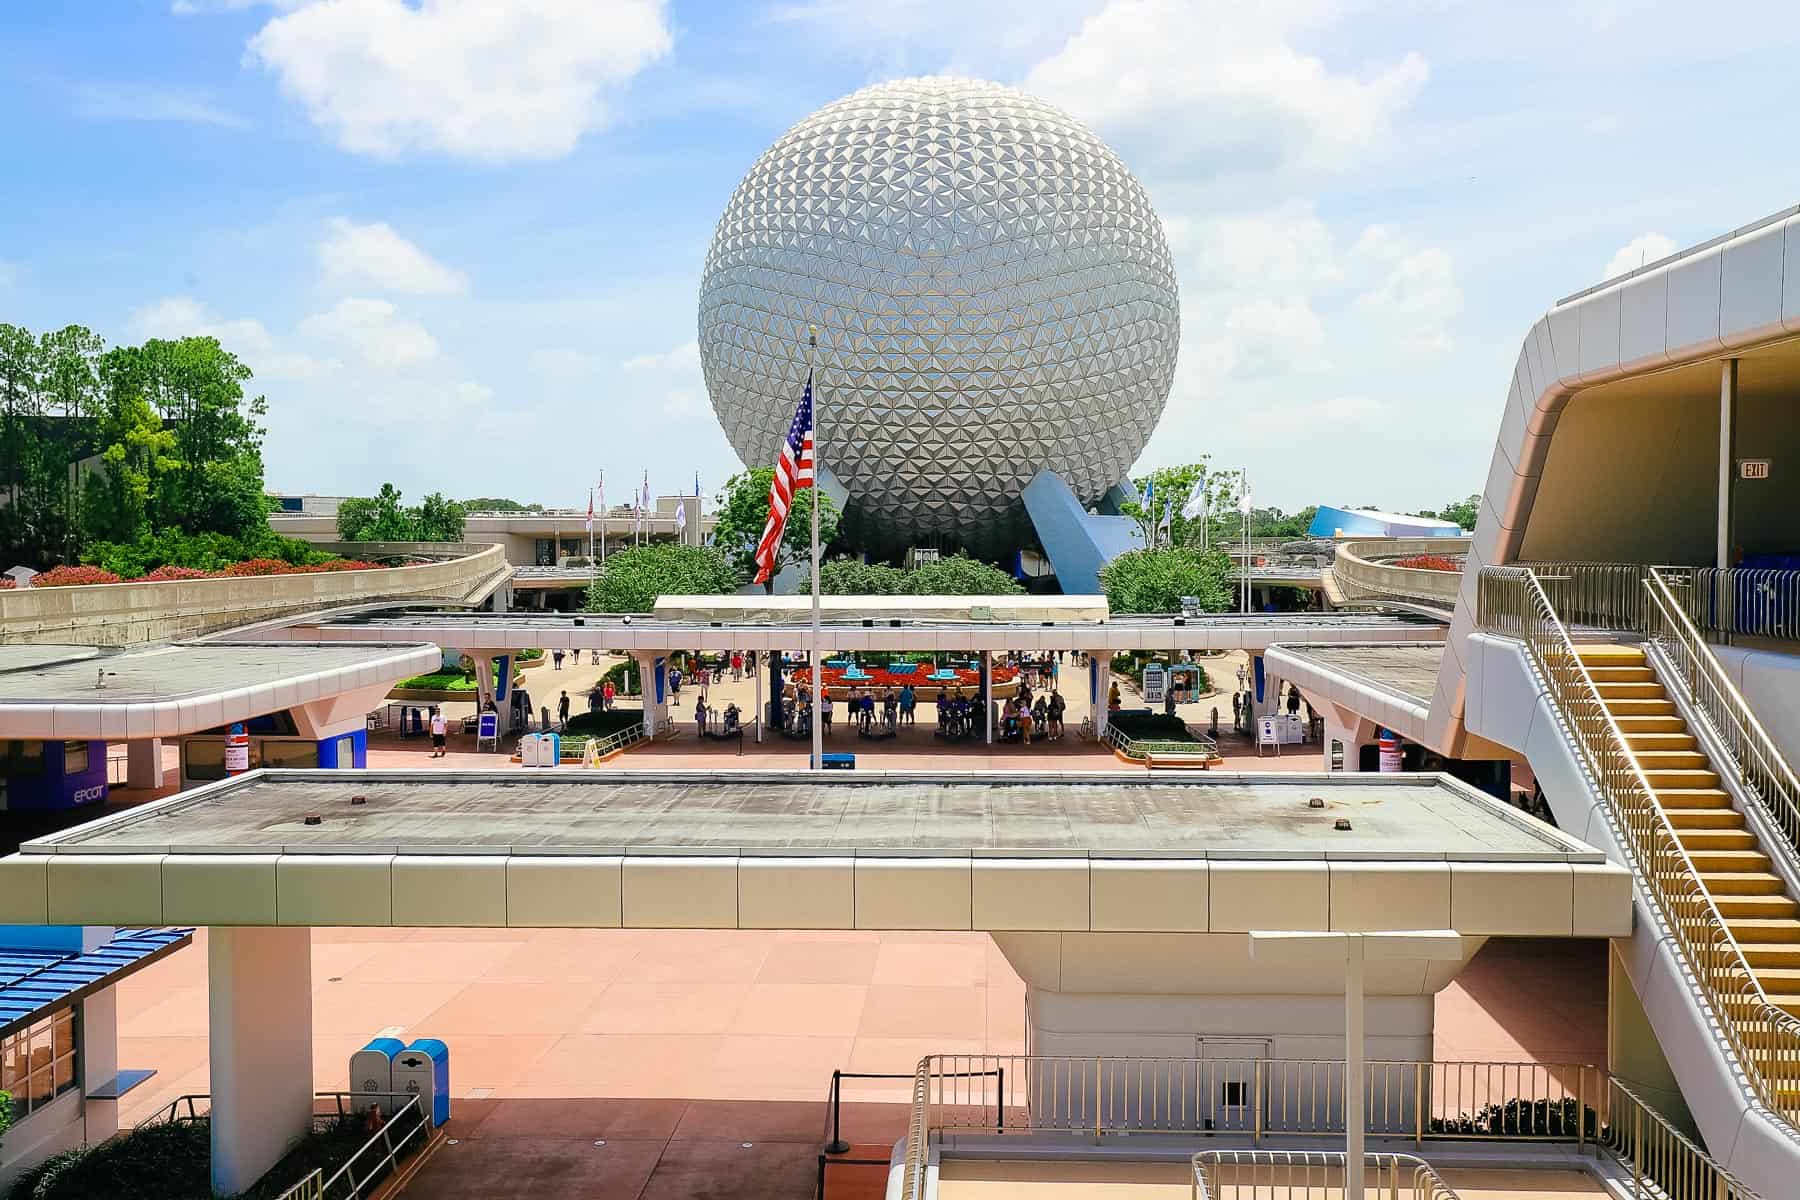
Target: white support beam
[(260, 1030), (1728, 413)]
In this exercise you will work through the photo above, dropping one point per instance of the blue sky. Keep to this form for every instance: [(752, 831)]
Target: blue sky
[(460, 241)]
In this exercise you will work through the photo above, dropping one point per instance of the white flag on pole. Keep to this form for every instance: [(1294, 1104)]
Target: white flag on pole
[(1244, 499), (680, 517), (1195, 508)]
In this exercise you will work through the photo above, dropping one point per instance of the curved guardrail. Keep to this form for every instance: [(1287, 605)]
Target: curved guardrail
[(1764, 1038), (1305, 1174), (1362, 573), (118, 614)]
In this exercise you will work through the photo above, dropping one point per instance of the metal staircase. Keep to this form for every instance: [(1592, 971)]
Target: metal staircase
[(1734, 867), (1707, 877)]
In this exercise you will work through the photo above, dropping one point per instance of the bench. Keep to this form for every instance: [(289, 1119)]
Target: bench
[(837, 762)]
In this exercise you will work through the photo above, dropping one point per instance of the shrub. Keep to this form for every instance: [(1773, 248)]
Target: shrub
[(7, 582), (73, 577), (1156, 581), (169, 571), (1427, 562), (635, 578), (616, 673)]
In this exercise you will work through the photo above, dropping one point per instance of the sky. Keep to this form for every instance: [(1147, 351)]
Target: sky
[(459, 242)]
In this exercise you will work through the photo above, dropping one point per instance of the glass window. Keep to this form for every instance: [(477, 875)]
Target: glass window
[(1337, 752), (21, 758), (75, 757), (203, 758), (40, 1062), (300, 755)]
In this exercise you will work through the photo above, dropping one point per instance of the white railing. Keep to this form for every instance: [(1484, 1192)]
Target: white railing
[(1146, 749), (1764, 1038), (406, 1131), (984, 1097), (1311, 1175), (1365, 570)]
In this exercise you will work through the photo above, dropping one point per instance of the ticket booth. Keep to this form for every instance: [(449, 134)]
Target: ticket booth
[(43, 776)]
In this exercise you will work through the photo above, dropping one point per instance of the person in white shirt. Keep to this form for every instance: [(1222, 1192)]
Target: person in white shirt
[(439, 727)]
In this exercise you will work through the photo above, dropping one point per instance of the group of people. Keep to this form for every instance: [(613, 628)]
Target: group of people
[(731, 720), (1024, 717)]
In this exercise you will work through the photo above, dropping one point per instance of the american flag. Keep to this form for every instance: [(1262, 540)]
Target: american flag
[(793, 470)]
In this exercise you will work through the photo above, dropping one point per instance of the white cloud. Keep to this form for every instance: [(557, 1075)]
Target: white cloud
[(682, 359), (1268, 336), (183, 316), (1646, 248), (1323, 416), (113, 101), (473, 79), (375, 331), (563, 368), (1417, 295), (375, 255), (1223, 86)]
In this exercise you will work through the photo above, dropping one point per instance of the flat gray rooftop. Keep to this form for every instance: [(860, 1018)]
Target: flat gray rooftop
[(170, 671), (1407, 669), (593, 812)]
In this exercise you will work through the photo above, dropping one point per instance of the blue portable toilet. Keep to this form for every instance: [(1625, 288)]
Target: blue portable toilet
[(423, 1068), (372, 1074)]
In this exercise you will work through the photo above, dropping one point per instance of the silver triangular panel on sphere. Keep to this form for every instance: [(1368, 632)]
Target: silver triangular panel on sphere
[(993, 291)]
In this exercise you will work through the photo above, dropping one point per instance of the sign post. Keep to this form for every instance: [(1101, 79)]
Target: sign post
[(237, 749)]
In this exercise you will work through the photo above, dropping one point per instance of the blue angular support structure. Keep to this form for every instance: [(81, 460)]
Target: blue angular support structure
[(1078, 542)]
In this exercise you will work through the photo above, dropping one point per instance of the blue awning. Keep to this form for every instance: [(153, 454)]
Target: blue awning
[(36, 982)]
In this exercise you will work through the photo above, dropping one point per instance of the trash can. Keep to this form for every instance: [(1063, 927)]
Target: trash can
[(528, 750), (372, 1074), (549, 749), (423, 1069)]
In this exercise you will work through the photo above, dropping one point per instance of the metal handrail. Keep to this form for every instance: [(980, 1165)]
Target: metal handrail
[(1263, 1098), (918, 1135), (1761, 764), (1765, 1039), (1641, 1139), (1747, 601), (1140, 749), (1593, 595), (1305, 1174), (345, 1181)]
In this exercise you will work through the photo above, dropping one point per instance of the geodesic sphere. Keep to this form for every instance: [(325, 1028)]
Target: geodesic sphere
[(993, 293)]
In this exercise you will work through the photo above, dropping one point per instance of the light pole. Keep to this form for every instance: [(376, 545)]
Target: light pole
[(818, 667), (1306, 948)]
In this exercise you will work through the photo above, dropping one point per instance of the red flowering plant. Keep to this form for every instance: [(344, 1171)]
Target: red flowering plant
[(1428, 562), (921, 675), (72, 576), (169, 572), (7, 582)]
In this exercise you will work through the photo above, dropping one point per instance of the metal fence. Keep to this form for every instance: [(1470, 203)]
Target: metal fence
[(986, 1096), (1662, 1161), (1720, 603), (403, 1133), (1264, 1098), (1311, 1175), (1201, 748), (1750, 603), (1764, 1038)]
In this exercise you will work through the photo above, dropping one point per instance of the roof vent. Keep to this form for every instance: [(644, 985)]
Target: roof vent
[(1316, 802), (868, 623), (312, 819), (359, 799), (1342, 824), (580, 621)]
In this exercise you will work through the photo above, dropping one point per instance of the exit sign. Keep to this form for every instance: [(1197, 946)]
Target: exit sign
[(1753, 468)]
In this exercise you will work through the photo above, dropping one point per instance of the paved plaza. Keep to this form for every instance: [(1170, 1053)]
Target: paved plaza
[(676, 1047)]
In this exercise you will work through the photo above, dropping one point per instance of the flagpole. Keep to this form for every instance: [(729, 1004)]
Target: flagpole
[(603, 516), (818, 666), (1244, 507)]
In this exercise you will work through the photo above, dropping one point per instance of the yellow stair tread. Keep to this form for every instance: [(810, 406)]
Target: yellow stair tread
[(1704, 818), (1743, 883), (1693, 798)]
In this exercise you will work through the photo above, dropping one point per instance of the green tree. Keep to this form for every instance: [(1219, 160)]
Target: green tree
[(743, 510), (635, 578), (853, 577), (498, 504), (958, 576), (438, 520), (198, 386), (1464, 512), (1173, 488), (380, 518), (137, 453), (1157, 581)]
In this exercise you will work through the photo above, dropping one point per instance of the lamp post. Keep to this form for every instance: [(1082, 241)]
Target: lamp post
[(1305, 948)]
